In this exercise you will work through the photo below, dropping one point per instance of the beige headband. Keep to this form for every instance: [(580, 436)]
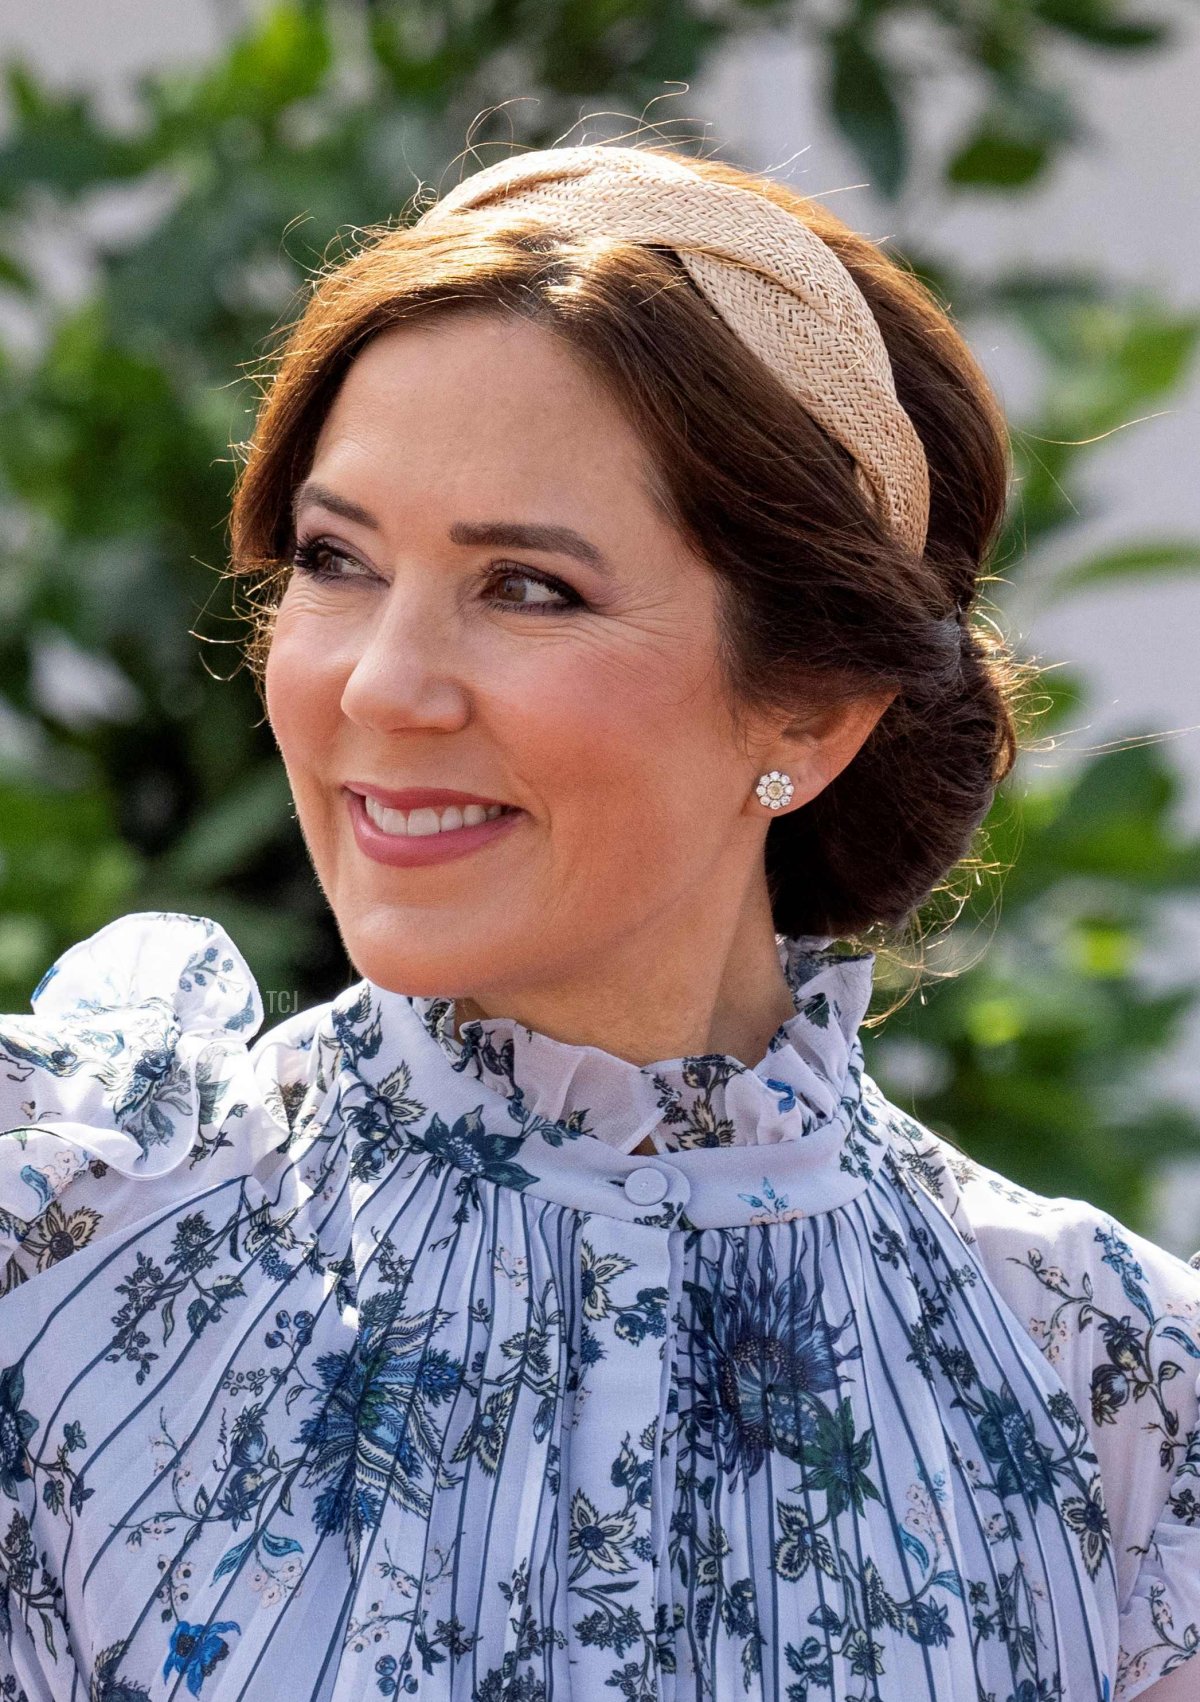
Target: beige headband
[(773, 281)]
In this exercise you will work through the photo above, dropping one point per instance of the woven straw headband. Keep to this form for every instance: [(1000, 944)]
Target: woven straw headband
[(773, 281)]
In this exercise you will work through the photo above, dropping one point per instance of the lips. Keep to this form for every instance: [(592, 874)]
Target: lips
[(409, 851)]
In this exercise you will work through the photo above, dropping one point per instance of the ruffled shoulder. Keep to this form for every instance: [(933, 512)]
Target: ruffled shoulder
[(1119, 1319), (133, 1033)]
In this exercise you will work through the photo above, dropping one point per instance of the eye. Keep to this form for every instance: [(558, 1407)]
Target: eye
[(317, 558), (565, 597), (308, 553)]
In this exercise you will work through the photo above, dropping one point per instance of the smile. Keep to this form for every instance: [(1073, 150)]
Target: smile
[(413, 838)]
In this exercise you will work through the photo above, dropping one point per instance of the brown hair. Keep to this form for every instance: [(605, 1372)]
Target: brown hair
[(819, 601)]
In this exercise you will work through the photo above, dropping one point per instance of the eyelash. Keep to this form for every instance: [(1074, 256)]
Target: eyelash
[(306, 553)]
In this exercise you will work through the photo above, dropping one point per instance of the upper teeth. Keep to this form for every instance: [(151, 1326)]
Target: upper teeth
[(417, 822)]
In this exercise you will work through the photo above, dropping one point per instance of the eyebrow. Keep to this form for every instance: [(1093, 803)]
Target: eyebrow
[(502, 534)]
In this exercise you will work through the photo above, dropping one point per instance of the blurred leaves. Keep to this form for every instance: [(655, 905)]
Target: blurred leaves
[(1140, 561), (999, 155), (1039, 1058), (864, 102), (142, 776), (1107, 360)]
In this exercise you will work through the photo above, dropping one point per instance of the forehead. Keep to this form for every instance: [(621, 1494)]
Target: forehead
[(488, 415), (493, 389)]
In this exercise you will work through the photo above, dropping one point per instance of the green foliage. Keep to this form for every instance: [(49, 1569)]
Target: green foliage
[(1037, 1057), (145, 777), (865, 104)]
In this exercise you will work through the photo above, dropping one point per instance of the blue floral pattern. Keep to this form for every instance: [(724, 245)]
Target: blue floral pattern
[(366, 1359)]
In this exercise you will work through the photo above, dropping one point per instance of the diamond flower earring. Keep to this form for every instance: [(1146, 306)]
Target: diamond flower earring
[(775, 790)]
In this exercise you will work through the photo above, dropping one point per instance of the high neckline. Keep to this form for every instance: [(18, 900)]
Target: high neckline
[(806, 1080)]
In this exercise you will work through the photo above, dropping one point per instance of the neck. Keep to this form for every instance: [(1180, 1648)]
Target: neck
[(673, 991)]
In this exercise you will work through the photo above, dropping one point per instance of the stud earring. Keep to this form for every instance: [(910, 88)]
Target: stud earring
[(775, 790)]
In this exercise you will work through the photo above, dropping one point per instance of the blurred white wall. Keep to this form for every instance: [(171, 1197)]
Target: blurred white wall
[(1126, 203), (79, 43)]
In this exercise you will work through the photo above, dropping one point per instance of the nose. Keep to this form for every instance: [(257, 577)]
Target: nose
[(407, 669)]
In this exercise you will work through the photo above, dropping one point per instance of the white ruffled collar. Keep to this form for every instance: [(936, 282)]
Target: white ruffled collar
[(802, 1083)]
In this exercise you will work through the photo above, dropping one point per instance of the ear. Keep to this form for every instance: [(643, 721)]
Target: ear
[(815, 750)]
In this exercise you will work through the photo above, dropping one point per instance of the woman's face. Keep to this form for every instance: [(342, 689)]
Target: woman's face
[(583, 692)]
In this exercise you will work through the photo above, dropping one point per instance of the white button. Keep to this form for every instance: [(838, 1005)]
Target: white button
[(644, 1187)]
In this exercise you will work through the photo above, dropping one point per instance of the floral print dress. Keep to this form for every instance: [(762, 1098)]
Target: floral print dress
[(368, 1358)]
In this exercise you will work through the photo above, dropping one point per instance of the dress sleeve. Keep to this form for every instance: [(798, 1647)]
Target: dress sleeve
[(1119, 1319), (1160, 1616), (135, 1033)]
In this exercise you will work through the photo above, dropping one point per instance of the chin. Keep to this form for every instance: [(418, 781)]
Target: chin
[(409, 953)]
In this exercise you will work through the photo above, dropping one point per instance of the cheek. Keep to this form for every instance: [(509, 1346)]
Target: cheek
[(301, 691), (612, 751)]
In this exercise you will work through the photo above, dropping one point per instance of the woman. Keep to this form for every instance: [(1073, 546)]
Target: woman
[(562, 1311)]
